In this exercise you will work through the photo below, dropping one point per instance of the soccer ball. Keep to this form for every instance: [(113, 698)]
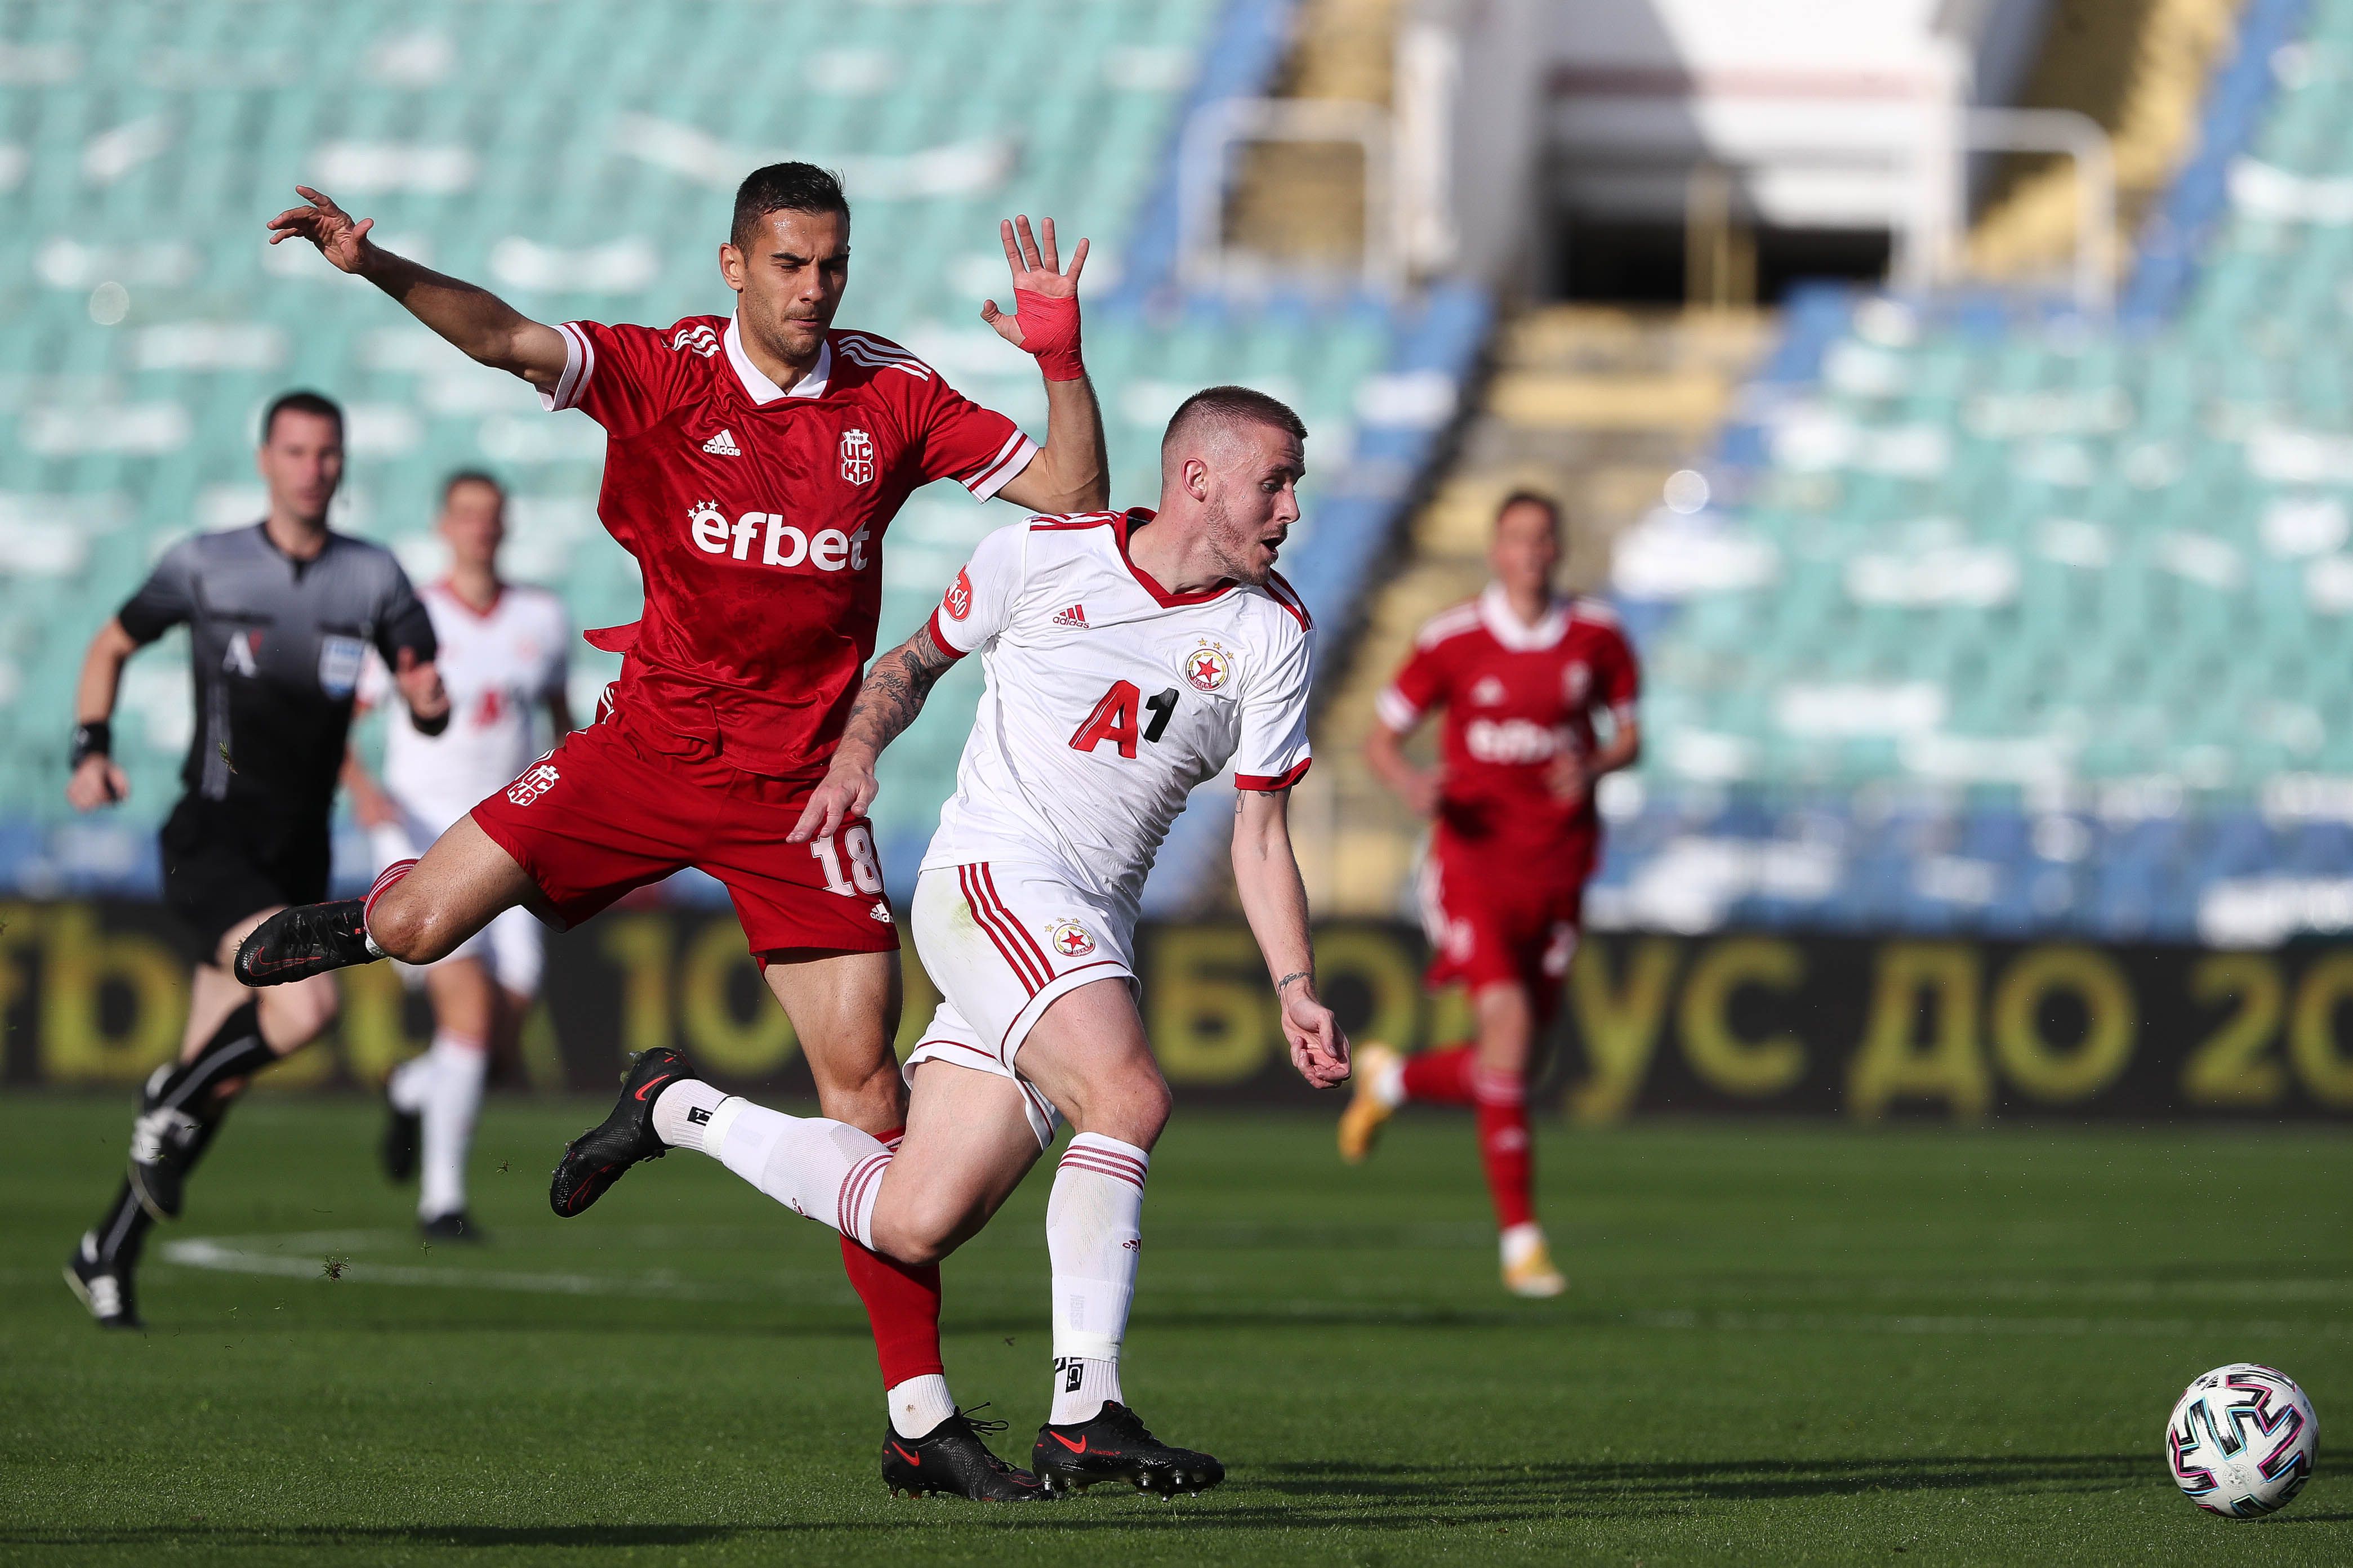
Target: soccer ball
[(2242, 1440)]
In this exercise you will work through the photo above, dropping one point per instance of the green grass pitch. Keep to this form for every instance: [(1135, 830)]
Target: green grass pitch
[(1783, 1344)]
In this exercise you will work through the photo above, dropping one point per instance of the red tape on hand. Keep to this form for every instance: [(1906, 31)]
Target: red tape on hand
[(1050, 330)]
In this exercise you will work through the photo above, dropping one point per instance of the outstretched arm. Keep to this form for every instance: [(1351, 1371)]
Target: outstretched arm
[(482, 326), (1072, 471), (1275, 902), (888, 703)]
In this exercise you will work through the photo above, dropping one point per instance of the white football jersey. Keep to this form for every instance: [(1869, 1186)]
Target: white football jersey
[(1108, 699), (500, 666)]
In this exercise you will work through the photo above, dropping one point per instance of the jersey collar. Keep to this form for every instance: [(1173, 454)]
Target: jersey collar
[(755, 380), (1516, 635), (1136, 517)]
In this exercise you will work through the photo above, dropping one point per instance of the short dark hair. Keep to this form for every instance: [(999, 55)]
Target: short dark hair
[(785, 187), (470, 477), (1530, 498), (300, 403), (1233, 405)]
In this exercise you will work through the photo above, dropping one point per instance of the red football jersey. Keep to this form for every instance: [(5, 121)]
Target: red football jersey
[(1515, 697), (757, 514)]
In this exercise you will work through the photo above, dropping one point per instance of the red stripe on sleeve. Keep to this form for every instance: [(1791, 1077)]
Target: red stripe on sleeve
[(1283, 781)]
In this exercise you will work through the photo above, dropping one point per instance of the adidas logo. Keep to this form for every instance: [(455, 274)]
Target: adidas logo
[(724, 445), (1075, 616)]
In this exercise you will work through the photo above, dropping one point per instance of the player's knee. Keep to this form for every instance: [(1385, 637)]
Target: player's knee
[(405, 926), (1132, 1108), (873, 1102), (924, 1231)]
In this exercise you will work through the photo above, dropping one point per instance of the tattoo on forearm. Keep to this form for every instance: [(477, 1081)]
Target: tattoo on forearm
[(894, 691), (1286, 980)]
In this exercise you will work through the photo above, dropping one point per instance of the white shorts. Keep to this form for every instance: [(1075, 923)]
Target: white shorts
[(1002, 942), (512, 947)]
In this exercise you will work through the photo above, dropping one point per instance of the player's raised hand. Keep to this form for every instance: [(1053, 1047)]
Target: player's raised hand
[(842, 796), (100, 781), (1319, 1048), (342, 241), (1045, 298), (421, 689)]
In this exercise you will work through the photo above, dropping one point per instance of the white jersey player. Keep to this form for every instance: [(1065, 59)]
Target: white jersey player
[(1128, 658), (508, 653)]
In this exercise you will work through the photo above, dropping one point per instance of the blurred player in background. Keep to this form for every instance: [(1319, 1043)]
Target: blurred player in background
[(505, 654), (1522, 674), (752, 465), (279, 618), (1128, 658)]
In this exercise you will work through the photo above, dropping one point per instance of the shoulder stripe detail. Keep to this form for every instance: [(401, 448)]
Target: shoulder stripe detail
[(880, 355), (873, 345), (1395, 709), (1051, 524), (873, 359), (1447, 623), (1587, 607), (1283, 594)]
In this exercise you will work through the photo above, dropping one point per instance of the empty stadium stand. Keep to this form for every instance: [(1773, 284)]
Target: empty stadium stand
[(580, 159), (2012, 619)]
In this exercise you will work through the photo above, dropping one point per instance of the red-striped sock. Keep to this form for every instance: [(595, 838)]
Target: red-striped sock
[(1440, 1076), (1500, 1102), (385, 880), (903, 1305)]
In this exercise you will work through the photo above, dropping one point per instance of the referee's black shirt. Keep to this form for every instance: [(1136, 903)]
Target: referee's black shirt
[(275, 648)]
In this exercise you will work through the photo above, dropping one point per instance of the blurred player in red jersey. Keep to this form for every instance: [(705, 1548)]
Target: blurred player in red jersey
[(752, 465), (1522, 673)]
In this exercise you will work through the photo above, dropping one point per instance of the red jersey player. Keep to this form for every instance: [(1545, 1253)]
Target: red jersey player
[(1522, 674), (752, 465)]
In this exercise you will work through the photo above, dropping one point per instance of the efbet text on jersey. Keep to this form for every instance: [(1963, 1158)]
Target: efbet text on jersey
[(830, 550)]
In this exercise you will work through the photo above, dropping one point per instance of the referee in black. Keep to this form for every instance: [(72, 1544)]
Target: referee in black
[(278, 616)]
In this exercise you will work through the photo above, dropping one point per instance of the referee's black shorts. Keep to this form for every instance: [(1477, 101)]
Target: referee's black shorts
[(225, 861)]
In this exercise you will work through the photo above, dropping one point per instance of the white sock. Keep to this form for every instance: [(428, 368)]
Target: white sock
[(1388, 1087), (919, 1404), (453, 1099), (1082, 1384), (826, 1171), (410, 1083), (1093, 1235), (1519, 1243), (683, 1113)]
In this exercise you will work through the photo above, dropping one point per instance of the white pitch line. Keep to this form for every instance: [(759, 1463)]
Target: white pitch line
[(219, 1254)]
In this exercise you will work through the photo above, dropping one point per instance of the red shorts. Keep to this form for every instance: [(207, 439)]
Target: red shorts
[(605, 812), (1486, 931)]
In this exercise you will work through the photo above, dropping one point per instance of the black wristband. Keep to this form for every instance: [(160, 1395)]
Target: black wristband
[(95, 739)]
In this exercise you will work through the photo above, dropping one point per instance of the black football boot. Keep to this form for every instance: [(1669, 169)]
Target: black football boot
[(1112, 1445), (594, 1161), (104, 1285), (307, 939), (952, 1458)]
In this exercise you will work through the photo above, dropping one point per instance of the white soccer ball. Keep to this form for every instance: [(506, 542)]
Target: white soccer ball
[(2242, 1440)]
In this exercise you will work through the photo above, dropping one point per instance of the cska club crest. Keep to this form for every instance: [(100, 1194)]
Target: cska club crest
[(1207, 668), (959, 603), (857, 457), (1071, 940), (1576, 682)]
